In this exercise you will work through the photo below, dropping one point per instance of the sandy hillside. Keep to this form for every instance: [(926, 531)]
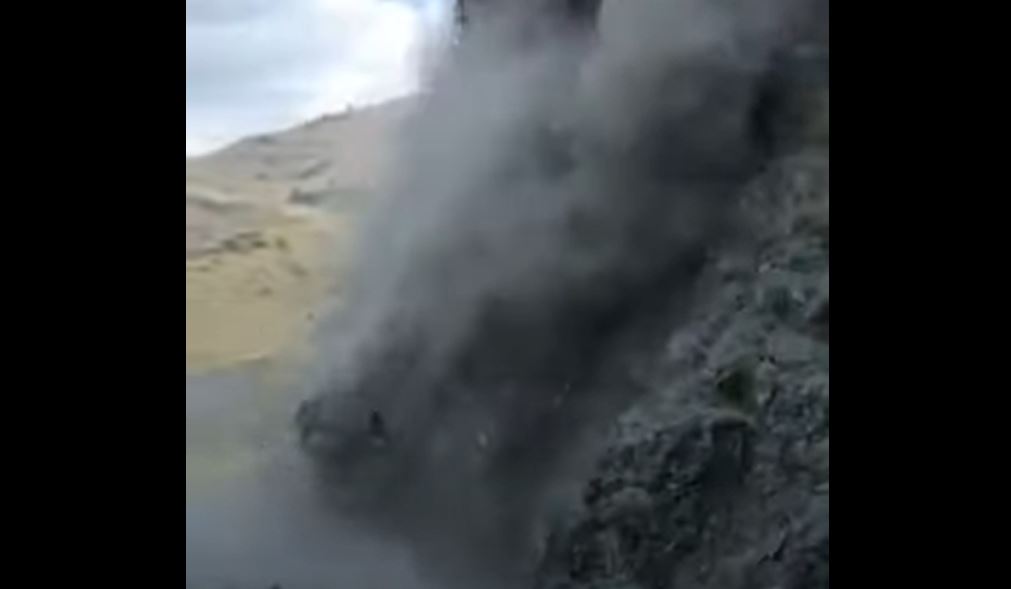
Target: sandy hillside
[(268, 227)]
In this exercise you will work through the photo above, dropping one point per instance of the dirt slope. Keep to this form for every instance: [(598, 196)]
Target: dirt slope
[(268, 223)]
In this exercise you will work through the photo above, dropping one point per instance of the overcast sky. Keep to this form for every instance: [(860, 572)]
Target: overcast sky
[(259, 65)]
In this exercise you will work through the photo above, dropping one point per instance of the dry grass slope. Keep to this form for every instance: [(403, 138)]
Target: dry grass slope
[(269, 222)]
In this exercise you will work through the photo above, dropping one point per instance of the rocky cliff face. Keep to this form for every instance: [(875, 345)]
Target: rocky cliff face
[(720, 477)]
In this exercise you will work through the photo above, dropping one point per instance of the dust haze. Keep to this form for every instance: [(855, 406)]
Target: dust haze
[(553, 205)]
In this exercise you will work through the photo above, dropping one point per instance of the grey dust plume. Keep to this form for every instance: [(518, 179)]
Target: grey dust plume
[(555, 200)]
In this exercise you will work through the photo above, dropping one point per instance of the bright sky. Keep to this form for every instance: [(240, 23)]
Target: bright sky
[(254, 66)]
